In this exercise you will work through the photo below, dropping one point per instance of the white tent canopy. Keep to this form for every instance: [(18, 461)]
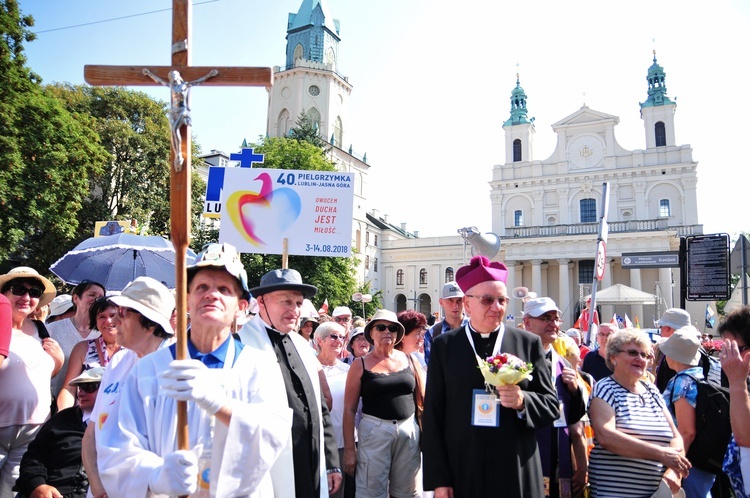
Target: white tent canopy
[(622, 294)]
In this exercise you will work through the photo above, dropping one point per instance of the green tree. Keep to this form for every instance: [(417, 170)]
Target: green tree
[(306, 130), (48, 156)]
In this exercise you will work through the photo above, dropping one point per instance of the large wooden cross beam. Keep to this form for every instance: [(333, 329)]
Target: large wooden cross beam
[(179, 77)]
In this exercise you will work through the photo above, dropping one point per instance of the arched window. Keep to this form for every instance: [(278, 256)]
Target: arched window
[(400, 303), (517, 150), (400, 277), (588, 210), (423, 276), (375, 265), (314, 116), (449, 275), (665, 211), (338, 132), (282, 128), (518, 218), (660, 134), (299, 52), (367, 262)]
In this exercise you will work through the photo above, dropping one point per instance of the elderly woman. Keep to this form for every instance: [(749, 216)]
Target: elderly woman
[(735, 361), (636, 444), (414, 324), (358, 345), (25, 377), (387, 458), (329, 340), (77, 328), (142, 326), (94, 352), (682, 352)]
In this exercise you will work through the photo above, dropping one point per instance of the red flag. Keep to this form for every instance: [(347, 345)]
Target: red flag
[(324, 309)]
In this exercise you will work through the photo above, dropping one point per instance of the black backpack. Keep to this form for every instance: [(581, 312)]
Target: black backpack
[(713, 428)]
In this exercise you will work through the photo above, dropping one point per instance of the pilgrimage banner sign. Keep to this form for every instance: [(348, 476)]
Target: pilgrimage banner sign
[(313, 210)]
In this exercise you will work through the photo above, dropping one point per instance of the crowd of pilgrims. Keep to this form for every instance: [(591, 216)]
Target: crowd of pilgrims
[(626, 418)]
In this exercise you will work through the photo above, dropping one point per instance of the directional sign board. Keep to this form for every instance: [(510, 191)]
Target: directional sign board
[(665, 259), (707, 265)]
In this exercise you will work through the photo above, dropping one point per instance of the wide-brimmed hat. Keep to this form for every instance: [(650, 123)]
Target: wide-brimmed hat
[(89, 376), (284, 279), (357, 331), (221, 256), (683, 346), (60, 304), (479, 270), (49, 290), (675, 318), (386, 316), (310, 319), (150, 298)]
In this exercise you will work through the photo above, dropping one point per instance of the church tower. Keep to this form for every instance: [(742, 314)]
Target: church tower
[(658, 110), (310, 81), (519, 130)]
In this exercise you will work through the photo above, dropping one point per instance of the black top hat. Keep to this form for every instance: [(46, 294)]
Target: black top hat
[(286, 279)]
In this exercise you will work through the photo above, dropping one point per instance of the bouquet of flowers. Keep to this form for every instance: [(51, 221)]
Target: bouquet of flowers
[(504, 369), (712, 347)]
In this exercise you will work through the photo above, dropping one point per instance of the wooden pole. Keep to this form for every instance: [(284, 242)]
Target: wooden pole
[(285, 253)]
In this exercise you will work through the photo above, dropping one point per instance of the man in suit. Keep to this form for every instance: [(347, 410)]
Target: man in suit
[(473, 445), (541, 317)]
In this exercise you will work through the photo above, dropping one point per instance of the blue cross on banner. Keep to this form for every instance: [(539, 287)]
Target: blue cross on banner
[(215, 183)]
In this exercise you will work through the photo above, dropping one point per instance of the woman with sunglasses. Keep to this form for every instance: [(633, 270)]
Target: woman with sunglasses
[(329, 341), (93, 352), (71, 331), (636, 444), (414, 324), (25, 377), (387, 458)]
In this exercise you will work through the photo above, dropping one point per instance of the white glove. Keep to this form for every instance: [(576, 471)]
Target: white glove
[(178, 476), (191, 380)]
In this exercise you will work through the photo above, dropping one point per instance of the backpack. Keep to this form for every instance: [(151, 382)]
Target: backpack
[(713, 428)]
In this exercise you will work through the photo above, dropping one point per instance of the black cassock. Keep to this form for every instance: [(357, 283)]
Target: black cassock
[(484, 461)]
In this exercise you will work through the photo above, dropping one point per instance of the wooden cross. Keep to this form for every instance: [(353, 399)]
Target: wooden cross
[(180, 76)]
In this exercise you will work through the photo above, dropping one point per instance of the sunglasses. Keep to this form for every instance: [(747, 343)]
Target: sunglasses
[(20, 290), (490, 300), (122, 311), (391, 328), (341, 319), (89, 387), (634, 354), (336, 337)]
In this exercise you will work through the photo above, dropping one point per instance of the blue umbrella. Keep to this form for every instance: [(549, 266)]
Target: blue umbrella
[(116, 260)]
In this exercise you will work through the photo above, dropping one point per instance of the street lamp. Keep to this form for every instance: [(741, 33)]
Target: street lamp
[(363, 298)]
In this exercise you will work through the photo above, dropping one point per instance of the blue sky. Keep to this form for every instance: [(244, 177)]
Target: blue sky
[(432, 81)]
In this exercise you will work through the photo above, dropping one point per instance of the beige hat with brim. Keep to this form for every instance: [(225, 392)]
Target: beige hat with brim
[(150, 298), (26, 272)]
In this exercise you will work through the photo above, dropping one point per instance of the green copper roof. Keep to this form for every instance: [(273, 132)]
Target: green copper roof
[(518, 113), (303, 17), (657, 88)]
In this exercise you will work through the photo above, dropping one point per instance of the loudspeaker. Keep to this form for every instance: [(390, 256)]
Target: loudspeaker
[(520, 292), (487, 244)]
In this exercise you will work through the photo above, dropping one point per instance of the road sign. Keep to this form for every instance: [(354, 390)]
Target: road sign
[(664, 259)]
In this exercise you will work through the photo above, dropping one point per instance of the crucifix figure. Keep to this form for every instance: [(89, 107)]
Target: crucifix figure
[(179, 77), (179, 111)]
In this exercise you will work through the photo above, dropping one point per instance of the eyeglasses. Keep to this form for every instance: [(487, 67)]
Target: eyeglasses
[(634, 354), (341, 319), (393, 328), (548, 319), (490, 300), (89, 387), (20, 290), (336, 337), (122, 311)]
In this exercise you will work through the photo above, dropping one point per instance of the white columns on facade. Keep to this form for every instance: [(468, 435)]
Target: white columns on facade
[(665, 284), (635, 282), (536, 277), (565, 303), (510, 283)]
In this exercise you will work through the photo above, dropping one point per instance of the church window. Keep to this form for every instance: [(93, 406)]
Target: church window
[(367, 238), (367, 262), (449, 275), (299, 52), (665, 211), (588, 210), (314, 116), (423, 276), (375, 265), (282, 128), (375, 240), (517, 150), (400, 277), (660, 134), (586, 271), (518, 218), (338, 132)]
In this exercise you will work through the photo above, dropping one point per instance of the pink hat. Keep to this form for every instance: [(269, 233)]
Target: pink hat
[(479, 270)]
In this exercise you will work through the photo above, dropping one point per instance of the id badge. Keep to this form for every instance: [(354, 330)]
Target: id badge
[(485, 410)]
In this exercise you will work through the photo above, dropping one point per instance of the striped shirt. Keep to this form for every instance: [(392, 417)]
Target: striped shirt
[(640, 416)]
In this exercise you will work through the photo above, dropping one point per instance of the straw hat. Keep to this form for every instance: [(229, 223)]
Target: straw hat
[(26, 272)]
